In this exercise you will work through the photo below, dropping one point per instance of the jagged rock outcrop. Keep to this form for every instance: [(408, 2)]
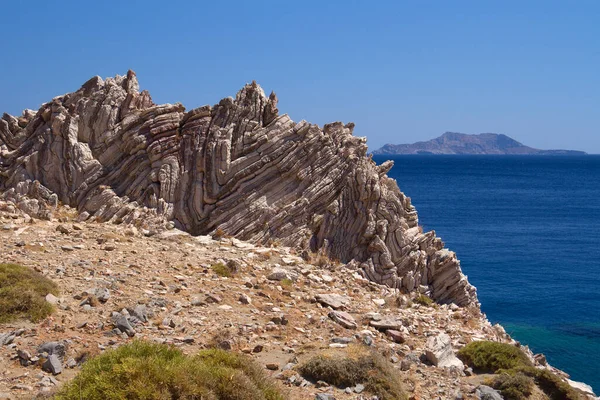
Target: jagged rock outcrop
[(237, 167)]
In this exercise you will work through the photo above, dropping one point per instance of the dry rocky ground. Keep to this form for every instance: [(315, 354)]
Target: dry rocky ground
[(119, 283)]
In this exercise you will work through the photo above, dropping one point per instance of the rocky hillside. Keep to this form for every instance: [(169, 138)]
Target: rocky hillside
[(237, 168), (118, 284), (460, 143), (228, 226)]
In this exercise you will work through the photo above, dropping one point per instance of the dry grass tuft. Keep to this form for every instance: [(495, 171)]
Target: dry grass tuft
[(23, 294), (355, 365)]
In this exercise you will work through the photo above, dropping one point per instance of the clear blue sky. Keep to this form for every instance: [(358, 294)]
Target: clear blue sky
[(401, 70)]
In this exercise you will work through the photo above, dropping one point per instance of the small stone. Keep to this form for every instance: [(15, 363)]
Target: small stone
[(169, 322), (324, 396), (279, 274), (140, 312), (52, 365), (280, 320), (102, 294), (63, 229), (335, 301), (197, 301), (225, 345), (396, 336), (213, 298), (258, 348), (67, 248), (122, 324), (379, 302), (343, 318), (273, 366), (540, 359), (52, 299), (387, 323), (24, 357), (245, 299)]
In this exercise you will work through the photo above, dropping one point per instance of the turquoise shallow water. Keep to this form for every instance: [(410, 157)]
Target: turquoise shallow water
[(527, 232)]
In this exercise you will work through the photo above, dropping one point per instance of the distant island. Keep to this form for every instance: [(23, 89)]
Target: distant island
[(461, 143)]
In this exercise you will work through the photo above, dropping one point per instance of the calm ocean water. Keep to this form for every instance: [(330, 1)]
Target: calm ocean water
[(527, 232)]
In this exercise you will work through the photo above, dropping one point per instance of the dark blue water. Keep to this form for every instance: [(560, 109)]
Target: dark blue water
[(527, 232)]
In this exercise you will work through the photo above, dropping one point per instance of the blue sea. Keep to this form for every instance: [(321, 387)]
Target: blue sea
[(527, 232)]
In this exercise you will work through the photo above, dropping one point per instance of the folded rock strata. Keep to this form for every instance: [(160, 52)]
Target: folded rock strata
[(238, 167)]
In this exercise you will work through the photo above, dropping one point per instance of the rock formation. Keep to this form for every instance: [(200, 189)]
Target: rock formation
[(237, 168)]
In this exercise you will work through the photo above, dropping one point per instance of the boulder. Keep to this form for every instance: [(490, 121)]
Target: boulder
[(439, 352), (487, 393), (58, 349)]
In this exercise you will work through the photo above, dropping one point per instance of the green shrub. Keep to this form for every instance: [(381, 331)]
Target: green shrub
[(485, 356), (357, 364), (517, 386), (423, 300), (23, 294), (149, 371), (222, 270), (551, 384)]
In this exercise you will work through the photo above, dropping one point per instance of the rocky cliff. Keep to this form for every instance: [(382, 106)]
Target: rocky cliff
[(461, 143), (237, 168)]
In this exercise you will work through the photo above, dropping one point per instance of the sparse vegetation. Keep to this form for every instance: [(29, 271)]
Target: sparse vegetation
[(143, 370), (220, 339), (286, 283), (423, 300), (354, 365), (516, 373), (23, 294), (222, 270), (220, 234), (486, 356)]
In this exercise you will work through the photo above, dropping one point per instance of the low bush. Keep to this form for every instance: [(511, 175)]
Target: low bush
[(149, 371), (486, 356), (551, 384), (352, 366), (517, 386), (23, 294), (222, 270)]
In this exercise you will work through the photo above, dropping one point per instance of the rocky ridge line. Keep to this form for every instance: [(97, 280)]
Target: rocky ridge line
[(236, 168)]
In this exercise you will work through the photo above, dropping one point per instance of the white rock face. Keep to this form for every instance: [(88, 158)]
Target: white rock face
[(440, 353), (237, 168), (581, 386)]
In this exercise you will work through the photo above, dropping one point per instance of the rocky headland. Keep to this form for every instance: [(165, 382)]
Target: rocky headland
[(461, 143), (227, 225)]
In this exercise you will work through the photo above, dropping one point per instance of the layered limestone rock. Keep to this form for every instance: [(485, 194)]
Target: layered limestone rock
[(239, 168)]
